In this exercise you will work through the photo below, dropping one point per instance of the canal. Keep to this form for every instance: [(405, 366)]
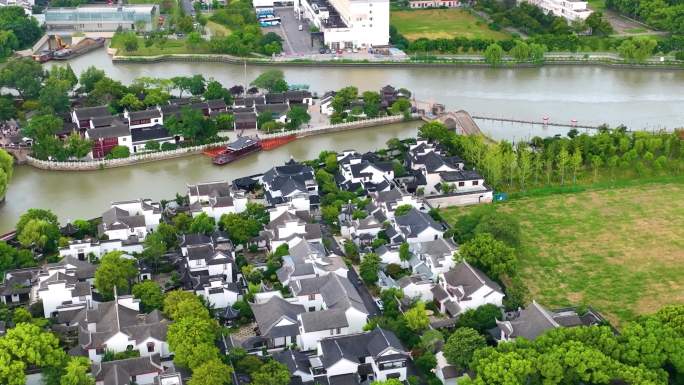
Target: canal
[(640, 99)]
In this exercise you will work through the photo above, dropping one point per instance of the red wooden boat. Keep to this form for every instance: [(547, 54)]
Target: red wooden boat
[(238, 149)]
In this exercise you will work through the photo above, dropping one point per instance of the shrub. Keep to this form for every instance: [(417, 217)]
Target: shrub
[(168, 146), (119, 152)]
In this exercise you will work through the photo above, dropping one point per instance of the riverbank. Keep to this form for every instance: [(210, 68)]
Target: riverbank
[(102, 164), (606, 59)]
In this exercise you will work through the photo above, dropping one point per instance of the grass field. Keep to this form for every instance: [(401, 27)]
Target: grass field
[(442, 23), (619, 250)]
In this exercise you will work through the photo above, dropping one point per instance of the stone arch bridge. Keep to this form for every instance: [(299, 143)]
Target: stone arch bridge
[(19, 153), (459, 121)]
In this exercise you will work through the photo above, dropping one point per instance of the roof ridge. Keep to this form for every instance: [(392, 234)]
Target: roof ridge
[(482, 281), (544, 313)]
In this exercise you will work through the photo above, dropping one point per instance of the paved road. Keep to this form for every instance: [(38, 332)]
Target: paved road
[(368, 300), (295, 42)]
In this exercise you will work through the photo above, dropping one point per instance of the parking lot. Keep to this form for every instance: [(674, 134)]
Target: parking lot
[(295, 42)]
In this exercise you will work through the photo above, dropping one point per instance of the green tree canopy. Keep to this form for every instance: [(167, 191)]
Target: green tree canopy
[(417, 318), (150, 295), (272, 373), (192, 341), (23, 75), (271, 80), (370, 266), (90, 77), (462, 343), (27, 345), (76, 372), (114, 271), (492, 256), (203, 224), (213, 372)]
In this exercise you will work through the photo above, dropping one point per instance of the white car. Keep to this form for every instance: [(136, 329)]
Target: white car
[(301, 27)]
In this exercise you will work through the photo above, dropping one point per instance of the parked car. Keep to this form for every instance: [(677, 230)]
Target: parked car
[(301, 27), (381, 305), (321, 51)]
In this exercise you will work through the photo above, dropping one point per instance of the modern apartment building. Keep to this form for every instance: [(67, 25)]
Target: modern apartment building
[(569, 9), (359, 24)]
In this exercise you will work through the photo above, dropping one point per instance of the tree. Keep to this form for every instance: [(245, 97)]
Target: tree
[(248, 364), (90, 77), (241, 228), (371, 103), (215, 90), (7, 109), (389, 381), (404, 252), (417, 318), (562, 162), (152, 145), (150, 295), (330, 162), (119, 152), (65, 74), (27, 345), (370, 266), (490, 255), (114, 271), (520, 51), (39, 234), (106, 91), (77, 146), (351, 250), (225, 122), (6, 172), (131, 102), (129, 41), (426, 362), (637, 49), (13, 258), (76, 372), (272, 373), (192, 341), (194, 39), (8, 43), (197, 85), (203, 224), (180, 304), (23, 75), (598, 25), (400, 106), (481, 319), (575, 164), (501, 225), (537, 52), (431, 340), (192, 125), (213, 372), (493, 55), (297, 116), (462, 343), (24, 27), (271, 80), (54, 95), (402, 210)]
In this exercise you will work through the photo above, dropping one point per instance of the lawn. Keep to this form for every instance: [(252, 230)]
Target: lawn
[(442, 23), (217, 29), (597, 5), (172, 46), (619, 250)]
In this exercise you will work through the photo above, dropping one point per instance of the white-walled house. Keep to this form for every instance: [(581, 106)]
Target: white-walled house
[(215, 199), (377, 355), (130, 219), (417, 226), (433, 258), (333, 305), (463, 288), (416, 287), (284, 183), (139, 370), (118, 326), (291, 228), (145, 118), (307, 260), (81, 249), (62, 290)]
